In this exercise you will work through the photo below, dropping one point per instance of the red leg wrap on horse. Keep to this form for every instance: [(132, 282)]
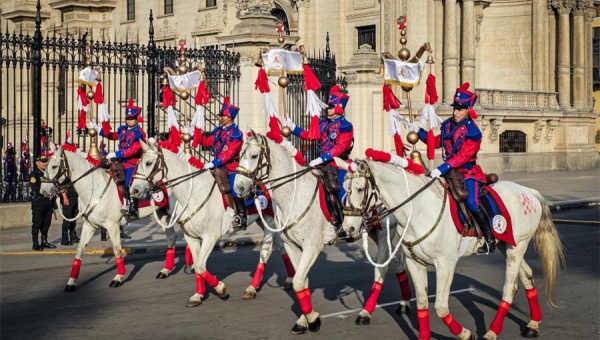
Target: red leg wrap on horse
[(372, 300), (200, 287), (210, 279), (404, 286), (498, 322), (170, 261), (120, 265), (305, 302), (454, 326), (424, 330), (534, 304), (258, 274), (75, 269), (189, 260), (289, 267)]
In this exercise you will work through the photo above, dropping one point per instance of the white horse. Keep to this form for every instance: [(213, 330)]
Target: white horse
[(100, 207), (303, 223), (203, 225), (430, 238)]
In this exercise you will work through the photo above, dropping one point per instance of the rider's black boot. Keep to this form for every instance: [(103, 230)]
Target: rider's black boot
[(123, 235), (102, 234), (133, 207), (483, 221), (45, 243), (65, 238), (36, 243), (74, 238), (240, 210)]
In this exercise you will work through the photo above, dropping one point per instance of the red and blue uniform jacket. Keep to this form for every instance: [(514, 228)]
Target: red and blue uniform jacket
[(335, 140), (225, 144), (130, 149), (460, 143)]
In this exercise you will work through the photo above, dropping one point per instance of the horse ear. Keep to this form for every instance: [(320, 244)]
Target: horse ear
[(254, 134), (145, 146), (340, 163)]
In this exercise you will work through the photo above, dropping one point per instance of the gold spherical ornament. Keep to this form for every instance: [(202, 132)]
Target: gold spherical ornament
[(165, 81), (186, 137), (184, 95), (280, 40), (403, 40), (182, 69), (90, 94), (283, 81), (92, 132), (404, 54), (403, 33), (412, 137), (286, 131), (406, 88), (88, 62), (416, 157)]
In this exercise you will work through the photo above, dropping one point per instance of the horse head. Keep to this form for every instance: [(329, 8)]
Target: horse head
[(149, 171), (361, 197), (254, 163), (56, 173)]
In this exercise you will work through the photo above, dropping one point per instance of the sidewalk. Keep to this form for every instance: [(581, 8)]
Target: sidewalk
[(562, 189)]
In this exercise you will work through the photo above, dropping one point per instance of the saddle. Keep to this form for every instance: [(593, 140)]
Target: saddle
[(455, 182), (329, 178)]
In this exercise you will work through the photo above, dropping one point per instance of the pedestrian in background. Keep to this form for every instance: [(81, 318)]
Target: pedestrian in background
[(70, 209), (10, 174), (41, 207)]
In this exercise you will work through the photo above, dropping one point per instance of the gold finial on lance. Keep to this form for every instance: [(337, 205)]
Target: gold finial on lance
[(93, 152)]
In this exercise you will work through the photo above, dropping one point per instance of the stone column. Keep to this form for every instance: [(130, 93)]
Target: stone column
[(450, 62), (564, 57), (540, 45), (302, 20), (590, 14), (468, 43), (551, 85), (579, 43)]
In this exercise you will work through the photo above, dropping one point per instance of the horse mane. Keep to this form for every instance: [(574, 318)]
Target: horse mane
[(74, 149)]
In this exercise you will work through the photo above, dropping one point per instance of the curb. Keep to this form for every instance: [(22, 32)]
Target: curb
[(573, 205)]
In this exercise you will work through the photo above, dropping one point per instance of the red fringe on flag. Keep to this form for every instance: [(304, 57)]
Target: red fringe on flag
[(313, 131), (262, 81), (81, 120), (175, 136), (98, 95), (81, 94), (168, 97), (431, 96), (310, 80), (196, 163), (400, 150), (389, 99), (197, 137), (275, 125), (106, 128), (202, 95), (430, 145)]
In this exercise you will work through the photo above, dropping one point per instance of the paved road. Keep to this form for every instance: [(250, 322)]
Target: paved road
[(33, 306)]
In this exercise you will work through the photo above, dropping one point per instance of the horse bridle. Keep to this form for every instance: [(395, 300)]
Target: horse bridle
[(63, 170), (159, 167), (368, 196), (264, 165)]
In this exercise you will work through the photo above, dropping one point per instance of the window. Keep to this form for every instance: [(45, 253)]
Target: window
[(513, 141), (130, 79), (130, 10), (366, 35), (282, 17), (211, 3), (596, 56), (168, 6)]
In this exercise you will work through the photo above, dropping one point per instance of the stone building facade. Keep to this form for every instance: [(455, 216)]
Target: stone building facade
[(530, 61)]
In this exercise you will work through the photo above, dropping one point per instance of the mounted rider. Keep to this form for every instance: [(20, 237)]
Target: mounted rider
[(225, 144), (460, 140), (335, 140), (128, 155)]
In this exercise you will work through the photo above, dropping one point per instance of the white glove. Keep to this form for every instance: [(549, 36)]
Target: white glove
[(111, 155), (93, 125), (288, 122), (209, 165), (315, 162), (414, 127), (435, 173)]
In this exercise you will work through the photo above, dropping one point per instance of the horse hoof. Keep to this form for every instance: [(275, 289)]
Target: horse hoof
[(115, 284), (224, 295), (315, 326), (249, 295), (162, 275), (70, 288), (299, 329), (362, 320), (403, 309), (193, 303), (531, 333), (288, 286)]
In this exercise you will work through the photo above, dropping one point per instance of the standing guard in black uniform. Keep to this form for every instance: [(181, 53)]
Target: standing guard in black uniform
[(70, 209), (41, 207)]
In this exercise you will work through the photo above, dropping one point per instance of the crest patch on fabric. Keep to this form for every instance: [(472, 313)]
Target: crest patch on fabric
[(263, 202), (158, 196), (499, 224)]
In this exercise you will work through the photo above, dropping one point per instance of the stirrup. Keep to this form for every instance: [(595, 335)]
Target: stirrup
[(485, 249)]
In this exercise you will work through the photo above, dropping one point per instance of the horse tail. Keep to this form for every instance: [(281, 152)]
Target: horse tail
[(549, 247)]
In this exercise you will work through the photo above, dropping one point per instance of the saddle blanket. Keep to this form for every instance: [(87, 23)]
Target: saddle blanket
[(264, 197), (499, 216)]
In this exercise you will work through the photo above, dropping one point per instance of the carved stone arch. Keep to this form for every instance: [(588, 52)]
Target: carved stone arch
[(290, 11)]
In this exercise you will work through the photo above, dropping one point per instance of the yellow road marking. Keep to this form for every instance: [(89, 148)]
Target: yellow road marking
[(99, 251)]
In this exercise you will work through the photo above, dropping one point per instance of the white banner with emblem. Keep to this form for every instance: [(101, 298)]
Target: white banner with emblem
[(282, 60), (185, 82), (402, 73)]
